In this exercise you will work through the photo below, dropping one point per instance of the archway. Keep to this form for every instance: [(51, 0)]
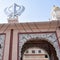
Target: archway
[(42, 44)]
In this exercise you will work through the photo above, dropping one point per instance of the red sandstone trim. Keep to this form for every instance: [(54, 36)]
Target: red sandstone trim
[(18, 47), (58, 39), (10, 48), (36, 32)]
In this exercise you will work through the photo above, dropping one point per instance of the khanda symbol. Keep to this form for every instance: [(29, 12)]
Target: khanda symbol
[(14, 10)]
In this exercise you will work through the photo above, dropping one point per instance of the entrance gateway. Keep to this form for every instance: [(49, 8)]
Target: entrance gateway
[(43, 46), (38, 46)]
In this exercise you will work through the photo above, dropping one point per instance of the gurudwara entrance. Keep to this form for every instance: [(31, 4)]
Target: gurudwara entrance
[(39, 47), (38, 50), (29, 41)]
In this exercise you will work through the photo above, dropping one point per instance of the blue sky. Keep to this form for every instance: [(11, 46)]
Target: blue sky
[(35, 10)]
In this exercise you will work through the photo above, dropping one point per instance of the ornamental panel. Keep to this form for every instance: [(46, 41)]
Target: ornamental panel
[(2, 39), (50, 37)]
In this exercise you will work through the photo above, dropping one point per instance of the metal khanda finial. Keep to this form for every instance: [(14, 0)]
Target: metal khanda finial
[(14, 10)]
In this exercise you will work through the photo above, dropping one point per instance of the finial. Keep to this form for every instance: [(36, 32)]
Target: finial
[(14, 10), (55, 13)]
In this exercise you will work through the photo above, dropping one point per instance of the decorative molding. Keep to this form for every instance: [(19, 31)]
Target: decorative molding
[(2, 41), (10, 47), (50, 37)]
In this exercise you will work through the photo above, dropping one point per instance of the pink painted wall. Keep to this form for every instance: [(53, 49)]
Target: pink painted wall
[(24, 28)]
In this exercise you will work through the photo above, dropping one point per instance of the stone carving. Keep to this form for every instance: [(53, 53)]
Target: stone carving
[(50, 37), (2, 38)]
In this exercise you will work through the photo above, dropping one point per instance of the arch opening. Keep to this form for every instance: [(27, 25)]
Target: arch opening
[(41, 44)]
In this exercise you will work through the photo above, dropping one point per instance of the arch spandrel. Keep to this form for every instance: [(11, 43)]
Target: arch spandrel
[(50, 37)]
